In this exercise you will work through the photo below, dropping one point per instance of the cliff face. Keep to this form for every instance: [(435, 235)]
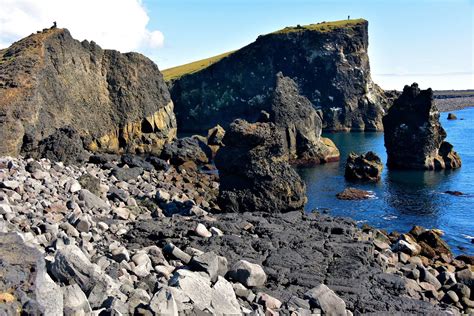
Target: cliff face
[(329, 64), (116, 102)]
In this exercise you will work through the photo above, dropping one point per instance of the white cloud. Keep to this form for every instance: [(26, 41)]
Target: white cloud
[(114, 24)]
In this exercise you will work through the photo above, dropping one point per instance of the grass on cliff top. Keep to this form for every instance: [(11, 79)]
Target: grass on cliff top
[(322, 27), (176, 72)]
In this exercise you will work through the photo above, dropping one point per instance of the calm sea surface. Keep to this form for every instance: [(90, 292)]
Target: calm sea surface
[(404, 198)]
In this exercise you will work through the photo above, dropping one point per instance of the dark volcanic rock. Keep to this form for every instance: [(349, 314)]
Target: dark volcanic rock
[(184, 150), (414, 137), (332, 70), (452, 116), (366, 167), (298, 252), (300, 123), (117, 102), (254, 172), (64, 145)]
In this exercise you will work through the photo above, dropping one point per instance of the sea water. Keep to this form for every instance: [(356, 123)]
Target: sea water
[(404, 198)]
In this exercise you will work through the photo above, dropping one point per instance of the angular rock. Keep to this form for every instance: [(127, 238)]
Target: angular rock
[(365, 167), (324, 298), (25, 280), (414, 137), (127, 174), (89, 182), (202, 231), (207, 262), (75, 301), (253, 171), (223, 299), (184, 150), (91, 200), (163, 303), (249, 274), (196, 287)]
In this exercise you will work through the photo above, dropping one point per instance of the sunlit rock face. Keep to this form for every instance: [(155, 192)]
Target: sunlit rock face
[(329, 65), (115, 102), (414, 137)]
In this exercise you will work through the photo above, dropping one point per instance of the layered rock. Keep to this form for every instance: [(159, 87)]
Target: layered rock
[(254, 171), (414, 137), (365, 167), (300, 123), (330, 63), (115, 102)]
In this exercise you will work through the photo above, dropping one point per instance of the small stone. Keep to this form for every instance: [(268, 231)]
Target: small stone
[(451, 297), (75, 186), (143, 264), (202, 231), (426, 276), (249, 274), (216, 232), (10, 184), (177, 253), (268, 301), (83, 225), (5, 209), (120, 254), (75, 301), (121, 213)]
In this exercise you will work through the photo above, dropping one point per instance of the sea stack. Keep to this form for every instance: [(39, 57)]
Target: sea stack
[(414, 137), (254, 171)]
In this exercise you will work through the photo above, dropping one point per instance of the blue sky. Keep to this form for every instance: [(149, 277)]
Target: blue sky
[(427, 41), (430, 42)]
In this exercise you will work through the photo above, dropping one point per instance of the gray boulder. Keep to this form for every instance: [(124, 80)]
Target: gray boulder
[(324, 298), (249, 274), (75, 301)]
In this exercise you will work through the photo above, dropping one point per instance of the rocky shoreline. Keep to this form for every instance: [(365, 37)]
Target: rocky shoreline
[(115, 238)]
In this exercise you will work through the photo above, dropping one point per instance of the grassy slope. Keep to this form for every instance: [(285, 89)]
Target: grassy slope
[(178, 71)]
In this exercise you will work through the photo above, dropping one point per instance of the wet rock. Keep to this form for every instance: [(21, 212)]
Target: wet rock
[(249, 274), (414, 137), (455, 193), (253, 171), (365, 167), (354, 194), (324, 298), (466, 259), (452, 116)]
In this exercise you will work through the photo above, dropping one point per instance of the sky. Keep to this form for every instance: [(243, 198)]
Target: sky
[(425, 41)]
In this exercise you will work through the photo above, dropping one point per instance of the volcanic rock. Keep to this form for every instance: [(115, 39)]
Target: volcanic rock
[(113, 102), (366, 167), (184, 150), (254, 172), (452, 116), (414, 137), (354, 194), (329, 59)]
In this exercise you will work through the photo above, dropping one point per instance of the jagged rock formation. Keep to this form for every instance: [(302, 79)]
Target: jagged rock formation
[(254, 171), (115, 102), (365, 167), (329, 62), (414, 137), (302, 126)]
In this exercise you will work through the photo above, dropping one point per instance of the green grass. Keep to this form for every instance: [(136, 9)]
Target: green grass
[(176, 72), (322, 27)]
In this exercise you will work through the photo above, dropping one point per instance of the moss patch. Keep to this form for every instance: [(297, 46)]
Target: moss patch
[(176, 72)]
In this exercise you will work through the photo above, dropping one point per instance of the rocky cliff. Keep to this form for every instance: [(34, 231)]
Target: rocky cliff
[(328, 61), (414, 137), (115, 102)]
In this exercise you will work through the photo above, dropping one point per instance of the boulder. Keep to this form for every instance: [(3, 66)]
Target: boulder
[(249, 274), (301, 124), (254, 172), (324, 298), (354, 194), (25, 284), (365, 167), (452, 116), (434, 240), (75, 301), (184, 150), (414, 137), (52, 85)]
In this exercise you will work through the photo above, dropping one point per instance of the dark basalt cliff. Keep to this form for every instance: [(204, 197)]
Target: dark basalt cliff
[(328, 61), (115, 102)]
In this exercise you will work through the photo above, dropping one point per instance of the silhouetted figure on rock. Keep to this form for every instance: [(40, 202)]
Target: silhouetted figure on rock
[(54, 25)]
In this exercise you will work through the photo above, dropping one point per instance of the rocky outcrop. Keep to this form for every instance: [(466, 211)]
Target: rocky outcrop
[(254, 171), (364, 167), (328, 61), (414, 137), (115, 102), (300, 123)]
